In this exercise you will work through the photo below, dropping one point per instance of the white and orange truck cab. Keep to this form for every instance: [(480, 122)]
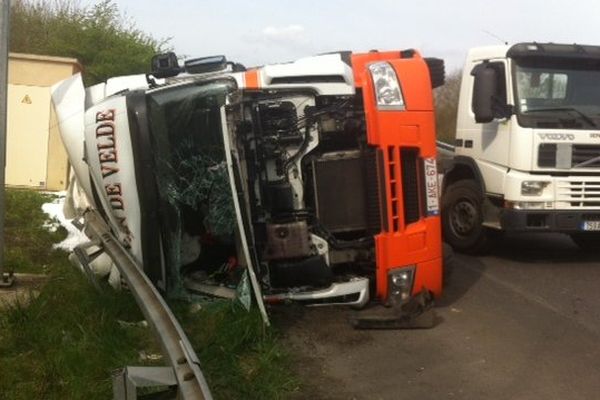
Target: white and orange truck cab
[(312, 181)]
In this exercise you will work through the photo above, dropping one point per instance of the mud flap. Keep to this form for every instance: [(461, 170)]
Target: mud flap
[(417, 313)]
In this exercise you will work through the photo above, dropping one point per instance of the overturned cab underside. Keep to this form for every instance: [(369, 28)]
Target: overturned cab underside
[(311, 181), (302, 173)]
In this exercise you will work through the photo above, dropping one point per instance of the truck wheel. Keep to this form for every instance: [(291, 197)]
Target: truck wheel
[(587, 241), (462, 217), (437, 71)]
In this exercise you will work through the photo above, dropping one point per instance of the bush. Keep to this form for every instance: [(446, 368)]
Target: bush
[(446, 107), (106, 43)]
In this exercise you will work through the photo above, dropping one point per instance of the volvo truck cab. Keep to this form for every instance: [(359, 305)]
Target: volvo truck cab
[(312, 181), (527, 148)]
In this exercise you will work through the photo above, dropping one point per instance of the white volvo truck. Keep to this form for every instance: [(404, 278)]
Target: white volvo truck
[(527, 147)]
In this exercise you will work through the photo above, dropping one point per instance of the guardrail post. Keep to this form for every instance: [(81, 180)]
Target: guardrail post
[(5, 279), (127, 380)]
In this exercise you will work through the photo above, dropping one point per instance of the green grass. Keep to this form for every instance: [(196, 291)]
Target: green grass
[(64, 343), (240, 357)]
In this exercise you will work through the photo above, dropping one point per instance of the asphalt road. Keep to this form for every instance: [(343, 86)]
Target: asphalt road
[(520, 323)]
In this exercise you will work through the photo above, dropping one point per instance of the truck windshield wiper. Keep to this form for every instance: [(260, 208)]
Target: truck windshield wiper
[(583, 116)]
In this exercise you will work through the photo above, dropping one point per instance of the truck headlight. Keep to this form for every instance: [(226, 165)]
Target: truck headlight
[(387, 89), (400, 283), (533, 188)]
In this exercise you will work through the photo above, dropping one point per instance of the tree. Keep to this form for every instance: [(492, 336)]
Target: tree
[(105, 42), (446, 107)]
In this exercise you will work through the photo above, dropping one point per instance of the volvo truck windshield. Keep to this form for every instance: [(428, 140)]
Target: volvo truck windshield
[(557, 93)]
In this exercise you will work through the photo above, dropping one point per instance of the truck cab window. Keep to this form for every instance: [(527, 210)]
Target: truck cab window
[(540, 86), (557, 93), (196, 212)]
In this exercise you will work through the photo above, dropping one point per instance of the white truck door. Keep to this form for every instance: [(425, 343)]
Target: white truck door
[(487, 143)]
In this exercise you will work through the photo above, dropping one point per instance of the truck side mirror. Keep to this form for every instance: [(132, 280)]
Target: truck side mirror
[(165, 65), (485, 87), (489, 98)]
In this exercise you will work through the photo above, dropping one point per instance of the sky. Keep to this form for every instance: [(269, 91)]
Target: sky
[(260, 32)]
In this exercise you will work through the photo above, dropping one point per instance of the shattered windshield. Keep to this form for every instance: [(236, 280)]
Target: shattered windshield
[(557, 93), (196, 210)]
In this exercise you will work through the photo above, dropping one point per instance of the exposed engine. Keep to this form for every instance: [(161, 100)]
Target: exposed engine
[(305, 164)]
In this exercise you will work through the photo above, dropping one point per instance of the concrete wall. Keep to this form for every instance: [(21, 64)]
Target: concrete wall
[(35, 154)]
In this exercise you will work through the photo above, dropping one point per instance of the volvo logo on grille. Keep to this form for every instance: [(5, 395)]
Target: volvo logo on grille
[(556, 136)]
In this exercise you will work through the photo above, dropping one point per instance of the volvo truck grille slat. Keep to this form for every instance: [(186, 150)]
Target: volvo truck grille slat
[(582, 155), (578, 194)]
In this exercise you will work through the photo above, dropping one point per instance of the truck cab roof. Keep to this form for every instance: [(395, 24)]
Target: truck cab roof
[(534, 49)]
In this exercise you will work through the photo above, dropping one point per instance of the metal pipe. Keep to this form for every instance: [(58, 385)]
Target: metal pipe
[(4, 43), (175, 344)]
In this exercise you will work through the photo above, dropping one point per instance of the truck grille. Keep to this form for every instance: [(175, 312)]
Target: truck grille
[(580, 153), (410, 185), (375, 193), (404, 186), (578, 194), (584, 152), (393, 184)]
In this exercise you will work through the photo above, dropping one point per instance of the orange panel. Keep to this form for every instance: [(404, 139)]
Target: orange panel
[(429, 276), (252, 79), (418, 243)]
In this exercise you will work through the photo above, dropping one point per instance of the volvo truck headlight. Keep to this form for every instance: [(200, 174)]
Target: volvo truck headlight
[(388, 93), (533, 188), (400, 283)]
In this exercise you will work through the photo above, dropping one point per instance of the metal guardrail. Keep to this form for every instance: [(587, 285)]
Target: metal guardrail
[(444, 146), (175, 345)]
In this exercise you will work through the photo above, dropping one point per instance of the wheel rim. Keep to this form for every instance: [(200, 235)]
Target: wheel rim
[(463, 217)]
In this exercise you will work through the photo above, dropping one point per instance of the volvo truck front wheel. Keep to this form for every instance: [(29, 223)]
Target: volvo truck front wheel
[(462, 217)]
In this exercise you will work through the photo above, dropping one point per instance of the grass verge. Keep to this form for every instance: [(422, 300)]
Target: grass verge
[(28, 247), (64, 343), (240, 357)]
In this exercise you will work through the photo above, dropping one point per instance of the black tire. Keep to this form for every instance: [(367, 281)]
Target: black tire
[(437, 71), (462, 217), (589, 241)]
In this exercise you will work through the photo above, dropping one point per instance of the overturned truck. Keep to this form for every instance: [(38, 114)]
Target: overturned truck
[(312, 181)]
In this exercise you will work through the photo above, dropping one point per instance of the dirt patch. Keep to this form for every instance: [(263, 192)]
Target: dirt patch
[(24, 288), (313, 342)]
